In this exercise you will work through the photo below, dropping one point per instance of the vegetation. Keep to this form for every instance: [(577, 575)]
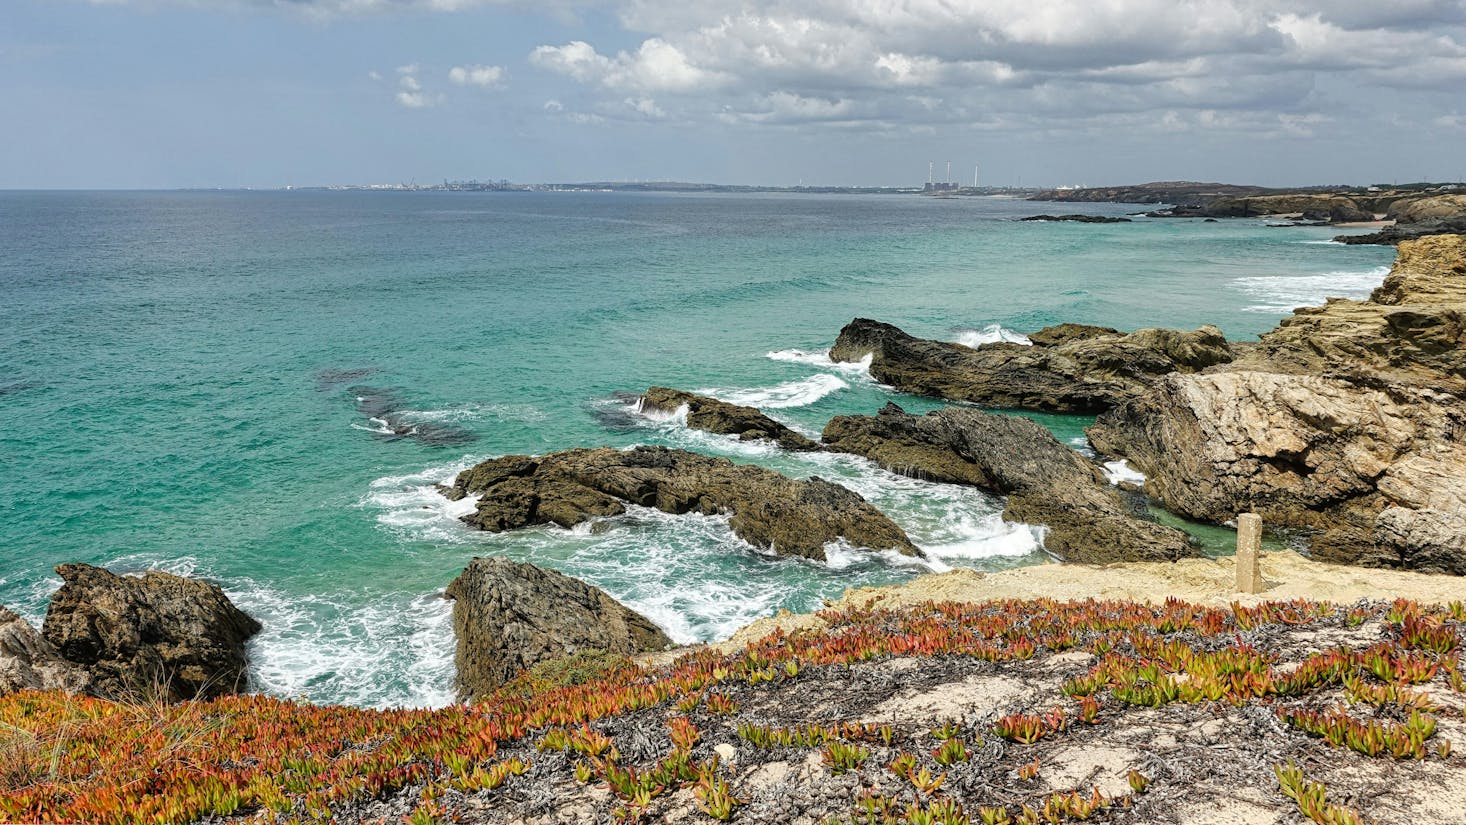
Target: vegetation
[(268, 760)]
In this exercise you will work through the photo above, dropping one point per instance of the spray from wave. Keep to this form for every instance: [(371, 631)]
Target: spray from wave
[(990, 334)]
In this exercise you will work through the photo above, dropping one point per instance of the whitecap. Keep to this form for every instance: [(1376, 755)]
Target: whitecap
[(1322, 243), (412, 504), (990, 334), (800, 393), (1284, 293), (1119, 471), (857, 369), (392, 650)]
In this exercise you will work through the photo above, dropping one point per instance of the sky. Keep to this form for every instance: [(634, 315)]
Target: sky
[(267, 93)]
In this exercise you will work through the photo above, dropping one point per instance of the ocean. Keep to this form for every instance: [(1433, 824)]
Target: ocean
[(263, 388)]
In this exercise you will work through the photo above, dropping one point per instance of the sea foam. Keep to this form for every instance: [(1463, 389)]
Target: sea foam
[(800, 393), (1284, 293)]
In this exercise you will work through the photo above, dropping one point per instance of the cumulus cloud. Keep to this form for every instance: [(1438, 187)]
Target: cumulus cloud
[(1165, 64), (487, 77), (410, 91)]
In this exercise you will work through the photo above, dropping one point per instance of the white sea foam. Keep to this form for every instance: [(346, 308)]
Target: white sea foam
[(525, 413), (953, 523), (369, 652), (800, 393), (1119, 471), (412, 504), (659, 415), (1283, 293), (990, 334), (1322, 243), (378, 426), (856, 369)]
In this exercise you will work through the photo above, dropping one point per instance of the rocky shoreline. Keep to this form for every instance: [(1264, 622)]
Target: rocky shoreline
[(1398, 213)]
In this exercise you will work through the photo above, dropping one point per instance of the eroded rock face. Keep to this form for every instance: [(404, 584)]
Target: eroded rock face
[(151, 635), (1072, 368), (714, 416), (29, 662), (1046, 482), (765, 509), (1347, 420), (510, 616)]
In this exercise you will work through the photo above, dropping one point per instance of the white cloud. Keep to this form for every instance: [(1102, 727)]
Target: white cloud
[(656, 66), (487, 77), (410, 91), (884, 62)]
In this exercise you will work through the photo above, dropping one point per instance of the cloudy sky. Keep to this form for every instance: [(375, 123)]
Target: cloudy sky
[(166, 93)]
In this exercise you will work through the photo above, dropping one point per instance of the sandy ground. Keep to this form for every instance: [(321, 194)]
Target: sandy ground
[(1286, 575)]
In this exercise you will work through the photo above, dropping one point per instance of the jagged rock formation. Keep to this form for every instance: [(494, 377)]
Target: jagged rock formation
[(1046, 482), (29, 662), (509, 616), (154, 635), (1430, 208), (714, 416), (1346, 419), (1071, 368), (765, 509)]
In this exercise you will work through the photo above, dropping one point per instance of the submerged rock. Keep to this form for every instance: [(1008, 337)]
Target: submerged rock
[(29, 662), (509, 616), (770, 511), (1072, 368), (723, 418), (1347, 420), (1076, 218), (151, 635), (1046, 482)]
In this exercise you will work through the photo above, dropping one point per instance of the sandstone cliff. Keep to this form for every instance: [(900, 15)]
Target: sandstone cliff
[(1347, 420)]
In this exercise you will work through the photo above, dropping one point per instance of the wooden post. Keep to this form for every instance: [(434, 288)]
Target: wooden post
[(1249, 551)]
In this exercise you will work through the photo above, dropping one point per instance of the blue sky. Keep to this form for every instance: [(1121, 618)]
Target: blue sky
[(174, 93)]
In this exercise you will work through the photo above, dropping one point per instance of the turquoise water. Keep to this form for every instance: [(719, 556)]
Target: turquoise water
[(181, 372)]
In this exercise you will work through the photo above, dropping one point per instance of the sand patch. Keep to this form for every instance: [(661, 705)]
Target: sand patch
[(1090, 766), (971, 698)]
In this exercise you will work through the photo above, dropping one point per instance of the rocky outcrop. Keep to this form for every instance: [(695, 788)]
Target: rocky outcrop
[(29, 662), (156, 634), (510, 616), (765, 509), (1072, 368), (1430, 208), (1455, 225), (1075, 219), (1046, 482), (714, 416), (1346, 420)]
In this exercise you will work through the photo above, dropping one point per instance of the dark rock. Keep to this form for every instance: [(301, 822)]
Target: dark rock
[(29, 662), (1046, 482), (1085, 369), (509, 617), (1408, 232), (1346, 420), (1076, 218), (151, 635), (765, 509), (721, 417), (384, 406)]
